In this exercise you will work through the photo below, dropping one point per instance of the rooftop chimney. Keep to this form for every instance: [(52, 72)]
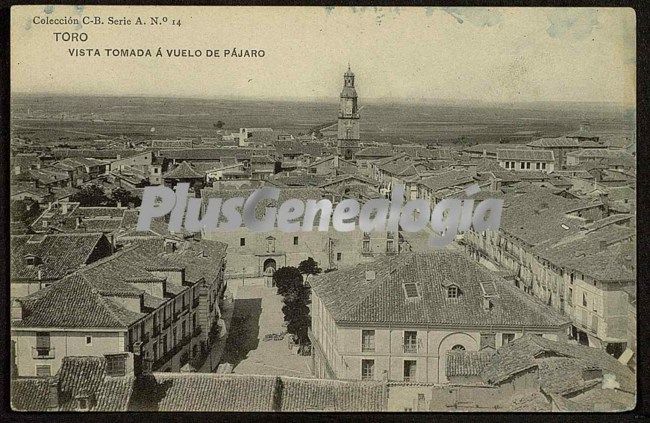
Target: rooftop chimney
[(487, 303), (53, 395), (16, 311)]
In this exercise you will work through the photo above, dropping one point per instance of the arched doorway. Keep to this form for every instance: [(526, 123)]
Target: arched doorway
[(269, 269), (269, 264)]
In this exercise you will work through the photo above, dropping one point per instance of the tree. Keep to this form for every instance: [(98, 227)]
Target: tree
[(286, 279), (25, 211), (124, 197), (309, 267), (90, 196), (296, 295)]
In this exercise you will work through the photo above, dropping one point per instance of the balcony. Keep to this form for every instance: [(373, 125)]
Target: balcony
[(410, 347), (42, 353)]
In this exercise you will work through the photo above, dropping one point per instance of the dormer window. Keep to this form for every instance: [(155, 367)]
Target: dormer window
[(453, 292), (32, 260), (412, 290)]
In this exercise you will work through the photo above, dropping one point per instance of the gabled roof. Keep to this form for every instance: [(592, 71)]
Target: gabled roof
[(563, 142), (559, 364), (448, 179), (183, 171), (59, 254), (74, 302), (351, 298)]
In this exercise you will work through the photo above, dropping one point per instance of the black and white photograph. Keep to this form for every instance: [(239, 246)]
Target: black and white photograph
[(322, 209)]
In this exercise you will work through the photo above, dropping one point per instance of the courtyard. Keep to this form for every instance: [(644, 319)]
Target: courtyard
[(258, 312)]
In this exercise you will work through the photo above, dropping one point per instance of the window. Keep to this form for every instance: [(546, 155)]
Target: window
[(116, 365), (458, 347), (409, 370), (508, 338), (543, 165), (390, 246), (366, 245), (367, 369), (43, 370), (164, 344), (452, 292), (570, 297), (572, 278), (155, 170), (155, 351), (367, 340), (538, 165), (242, 242), (295, 240), (584, 299), (184, 329), (488, 340), (43, 343), (194, 321), (411, 290), (89, 340), (410, 341), (175, 336), (338, 256), (521, 165)]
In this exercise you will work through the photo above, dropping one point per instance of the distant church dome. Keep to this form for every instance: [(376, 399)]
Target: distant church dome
[(349, 72)]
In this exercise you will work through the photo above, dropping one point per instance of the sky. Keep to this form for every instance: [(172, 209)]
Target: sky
[(407, 54)]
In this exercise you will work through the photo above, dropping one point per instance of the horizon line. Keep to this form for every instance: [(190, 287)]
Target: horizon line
[(321, 99)]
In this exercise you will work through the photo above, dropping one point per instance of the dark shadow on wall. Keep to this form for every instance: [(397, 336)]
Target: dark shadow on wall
[(244, 331)]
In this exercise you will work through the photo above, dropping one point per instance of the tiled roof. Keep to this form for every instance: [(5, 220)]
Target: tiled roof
[(535, 215), (562, 142), (74, 302), (372, 152), (468, 363), (559, 364), (234, 392), (448, 179), (87, 375), (520, 154), (110, 153), (613, 260), (351, 298), (59, 254), (490, 148), (30, 394), (183, 171), (332, 395), (209, 392), (199, 259), (202, 154)]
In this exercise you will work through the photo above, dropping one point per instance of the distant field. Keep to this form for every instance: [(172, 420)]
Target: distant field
[(54, 119)]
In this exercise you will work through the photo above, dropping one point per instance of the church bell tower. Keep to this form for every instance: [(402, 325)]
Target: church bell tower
[(348, 125)]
